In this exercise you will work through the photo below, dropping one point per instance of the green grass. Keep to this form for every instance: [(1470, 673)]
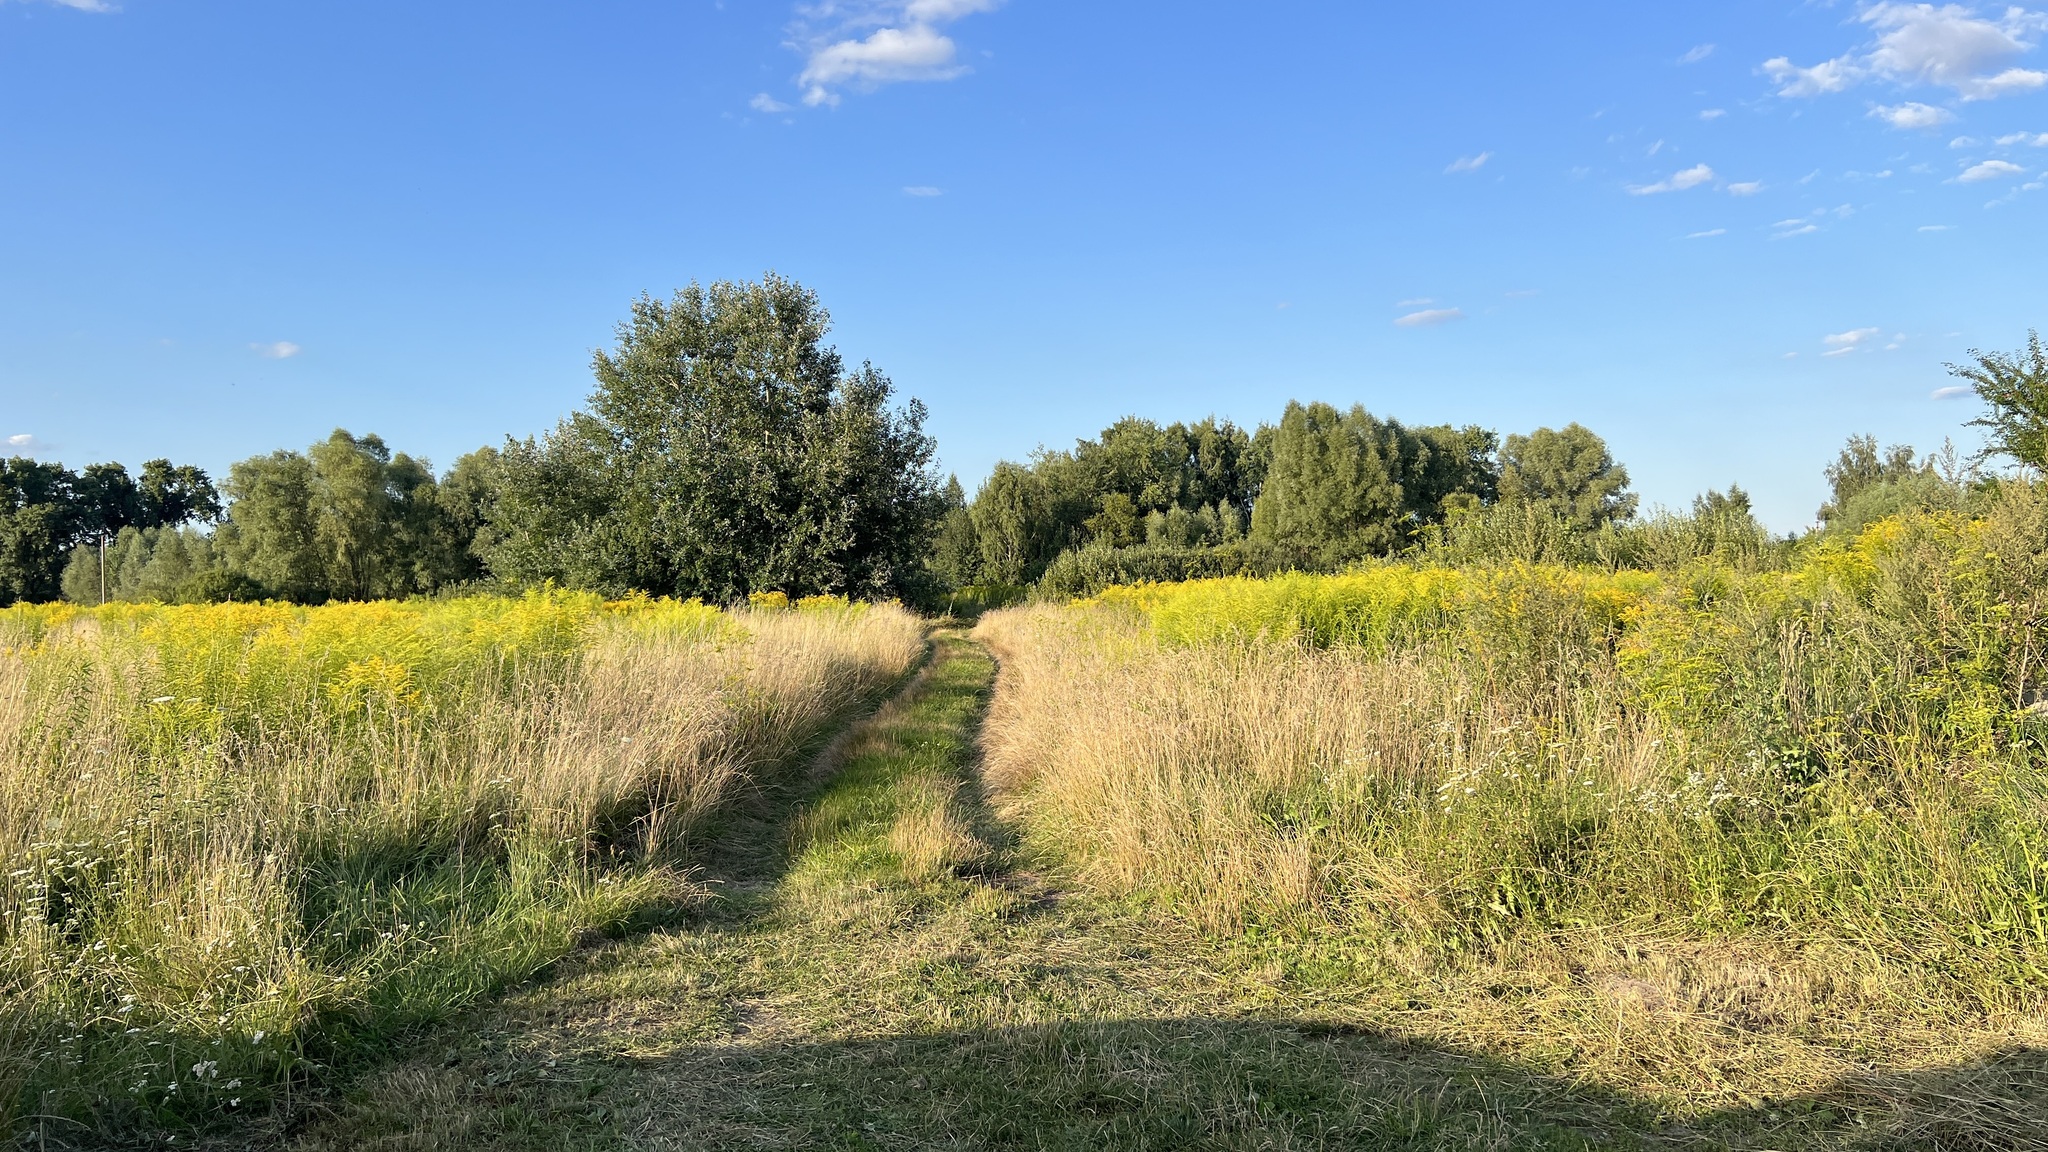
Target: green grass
[(850, 987)]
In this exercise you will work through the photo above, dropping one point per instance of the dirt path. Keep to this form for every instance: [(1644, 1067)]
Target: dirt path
[(881, 968)]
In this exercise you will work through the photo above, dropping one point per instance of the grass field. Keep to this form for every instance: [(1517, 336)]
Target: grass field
[(1488, 857), (246, 843)]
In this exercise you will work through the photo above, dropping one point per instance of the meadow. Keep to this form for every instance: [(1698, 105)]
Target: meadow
[(244, 844), (1713, 834), (1674, 843)]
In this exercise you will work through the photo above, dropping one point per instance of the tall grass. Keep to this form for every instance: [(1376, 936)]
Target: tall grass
[(239, 841), (1835, 770)]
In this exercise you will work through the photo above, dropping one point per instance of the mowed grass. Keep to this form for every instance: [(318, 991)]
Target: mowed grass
[(888, 963), (246, 845)]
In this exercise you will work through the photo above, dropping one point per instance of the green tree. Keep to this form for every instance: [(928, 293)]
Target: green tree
[(173, 494), (1014, 524), (1334, 487), (2015, 393), (1568, 473), (34, 540), (727, 450), (956, 553), (107, 498), (272, 533), (1860, 467)]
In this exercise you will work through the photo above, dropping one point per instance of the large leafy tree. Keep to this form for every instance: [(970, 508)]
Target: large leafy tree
[(2014, 389), (1568, 473), (347, 520), (1345, 485), (727, 449), (1014, 524)]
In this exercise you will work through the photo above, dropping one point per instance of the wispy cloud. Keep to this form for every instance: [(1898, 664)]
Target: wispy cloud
[(1937, 228), (1912, 117), (1843, 343), (1712, 113), (1692, 177), (1947, 46), (1697, 54), (923, 190), (1951, 392), (1989, 170), (85, 5), (768, 104), (865, 44), (2024, 139), (1430, 318), (1790, 228), (1468, 163), (27, 443), (1707, 233), (281, 350), (1746, 188), (1418, 302)]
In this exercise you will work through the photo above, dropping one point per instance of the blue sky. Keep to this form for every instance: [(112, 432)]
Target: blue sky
[(1725, 235)]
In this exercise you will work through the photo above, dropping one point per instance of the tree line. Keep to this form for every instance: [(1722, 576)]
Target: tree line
[(727, 449), (1319, 489)]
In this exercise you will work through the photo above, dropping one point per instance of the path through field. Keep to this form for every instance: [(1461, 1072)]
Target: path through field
[(877, 970)]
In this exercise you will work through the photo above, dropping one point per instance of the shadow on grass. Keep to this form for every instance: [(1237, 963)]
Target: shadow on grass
[(1162, 1084)]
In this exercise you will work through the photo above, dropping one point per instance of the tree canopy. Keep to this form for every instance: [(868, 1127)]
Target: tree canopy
[(1568, 473), (2014, 389), (727, 449), (48, 511)]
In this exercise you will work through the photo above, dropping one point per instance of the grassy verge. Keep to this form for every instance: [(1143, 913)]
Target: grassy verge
[(885, 967)]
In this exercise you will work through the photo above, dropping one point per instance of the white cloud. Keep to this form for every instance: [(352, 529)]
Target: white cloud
[(85, 5), (923, 190), (1692, 177), (1948, 46), (1418, 302), (281, 350), (1430, 318), (1937, 228), (1746, 188), (768, 104), (1846, 342), (1911, 116), (1653, 149), (1712, 113), (865, 44), (1794, 228), (1707, 233), (1989, 170), (945, 11), (2031, 140), (1697, 54), (1828, 76), (1951, 392), (889, 56), (23, 440), (1964, 142), (1468, 163)]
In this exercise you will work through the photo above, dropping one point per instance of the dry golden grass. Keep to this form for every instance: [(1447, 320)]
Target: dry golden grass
[(1537, 875), (205, 867)]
